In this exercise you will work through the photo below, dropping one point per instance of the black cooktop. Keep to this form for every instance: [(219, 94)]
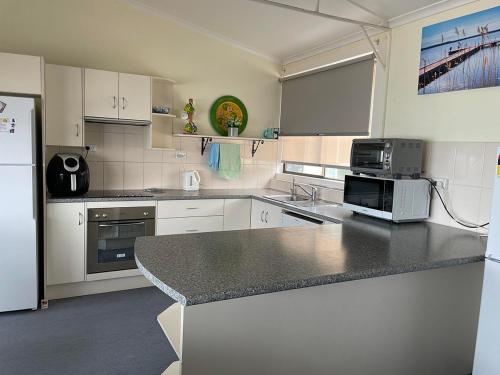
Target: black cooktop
[(118, 194)]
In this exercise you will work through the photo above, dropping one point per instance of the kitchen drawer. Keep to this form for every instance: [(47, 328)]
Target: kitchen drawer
[(189, 225), (190, 208)]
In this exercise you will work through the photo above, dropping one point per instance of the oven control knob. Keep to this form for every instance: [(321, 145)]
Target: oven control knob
[(146, 213), (104, 216), (97, 216)]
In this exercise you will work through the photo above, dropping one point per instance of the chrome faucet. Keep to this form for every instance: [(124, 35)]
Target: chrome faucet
[(313, 194)]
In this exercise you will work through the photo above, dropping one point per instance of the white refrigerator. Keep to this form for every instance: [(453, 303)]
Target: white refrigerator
[(487, 355), (19, 203)]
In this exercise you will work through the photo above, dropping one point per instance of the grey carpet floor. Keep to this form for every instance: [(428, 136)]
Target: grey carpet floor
[(103, 334)]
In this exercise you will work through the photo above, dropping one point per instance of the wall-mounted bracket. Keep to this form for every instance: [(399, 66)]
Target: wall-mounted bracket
[(255, 145), (374, 47), (204, 142)]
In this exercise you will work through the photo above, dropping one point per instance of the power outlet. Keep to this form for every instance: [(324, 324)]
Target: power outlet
[(92, 148), (442, 183), (179, 155)]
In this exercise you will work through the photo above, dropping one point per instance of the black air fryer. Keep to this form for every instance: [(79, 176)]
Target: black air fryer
[(68, 175)]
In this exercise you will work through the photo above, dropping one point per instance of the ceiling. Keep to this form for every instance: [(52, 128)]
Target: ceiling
[(281, 34)]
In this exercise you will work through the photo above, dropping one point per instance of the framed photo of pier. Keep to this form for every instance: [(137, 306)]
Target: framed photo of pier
[(461, 54)]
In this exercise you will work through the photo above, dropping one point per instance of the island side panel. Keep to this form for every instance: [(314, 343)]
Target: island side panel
[(416, 323)]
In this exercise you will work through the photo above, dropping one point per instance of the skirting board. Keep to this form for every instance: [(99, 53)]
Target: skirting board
[(95, 287)]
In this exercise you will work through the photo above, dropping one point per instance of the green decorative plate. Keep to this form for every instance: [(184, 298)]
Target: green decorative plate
[(228, 108)]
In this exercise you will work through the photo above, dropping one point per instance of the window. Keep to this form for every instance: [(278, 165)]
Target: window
[(329, 172)]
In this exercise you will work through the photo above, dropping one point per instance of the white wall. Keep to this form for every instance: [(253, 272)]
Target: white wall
[(455, 116), (112, 35)]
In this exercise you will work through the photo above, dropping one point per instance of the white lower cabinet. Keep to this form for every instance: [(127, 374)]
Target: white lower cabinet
[(189, 225), (265, 215), (237, 214), (190, 208), (65, 243)]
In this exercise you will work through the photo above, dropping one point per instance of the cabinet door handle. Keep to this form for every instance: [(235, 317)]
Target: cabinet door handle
[(267, 213), (77, 130), (114, 102), (191, 230), (262, 216), (80, 218), (123, 102), (192, 208)]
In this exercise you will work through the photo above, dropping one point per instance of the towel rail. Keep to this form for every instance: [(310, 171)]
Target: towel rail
[(255, 144)]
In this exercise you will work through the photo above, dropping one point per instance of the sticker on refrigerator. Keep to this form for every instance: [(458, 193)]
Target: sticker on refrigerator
[(498, 165), (7, 125)]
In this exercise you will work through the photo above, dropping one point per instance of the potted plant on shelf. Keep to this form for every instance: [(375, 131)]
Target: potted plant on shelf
[(233, 125)]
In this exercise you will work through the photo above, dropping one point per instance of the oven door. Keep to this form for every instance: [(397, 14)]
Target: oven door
[(368, 156), (110, 244)]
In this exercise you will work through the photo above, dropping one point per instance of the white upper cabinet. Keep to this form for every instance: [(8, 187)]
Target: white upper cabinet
[(101, 93), (135, 97), (20, 74), (112, 95), (64, 105)]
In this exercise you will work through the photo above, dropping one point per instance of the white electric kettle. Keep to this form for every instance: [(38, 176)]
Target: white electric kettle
[(191, 181)]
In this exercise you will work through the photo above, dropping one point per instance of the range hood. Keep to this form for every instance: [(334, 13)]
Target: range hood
[(117, 121)]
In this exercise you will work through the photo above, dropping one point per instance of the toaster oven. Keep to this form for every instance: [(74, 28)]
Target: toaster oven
[(389, 157)]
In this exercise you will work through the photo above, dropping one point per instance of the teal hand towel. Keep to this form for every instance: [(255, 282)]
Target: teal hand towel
[(229, 161), (213, 157)]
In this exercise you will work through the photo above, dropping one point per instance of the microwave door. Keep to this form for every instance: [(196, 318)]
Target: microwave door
[(365, 192)]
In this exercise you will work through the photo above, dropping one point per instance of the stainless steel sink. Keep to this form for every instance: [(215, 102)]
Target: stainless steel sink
[(288, 198)]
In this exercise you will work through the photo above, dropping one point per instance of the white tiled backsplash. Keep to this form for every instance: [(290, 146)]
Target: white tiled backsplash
[(470, 168), (121, 161)]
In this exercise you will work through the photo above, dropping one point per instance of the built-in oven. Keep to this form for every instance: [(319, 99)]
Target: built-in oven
[(111, 234)]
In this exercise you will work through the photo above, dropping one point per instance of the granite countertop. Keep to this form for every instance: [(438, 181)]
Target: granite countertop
[(322, 210), (162, 194), (208, 267)]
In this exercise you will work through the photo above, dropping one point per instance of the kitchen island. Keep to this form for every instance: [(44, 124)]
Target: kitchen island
[(359, 297)]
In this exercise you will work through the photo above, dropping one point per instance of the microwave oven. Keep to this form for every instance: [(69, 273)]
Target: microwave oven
[(389, 157), (397, 200)]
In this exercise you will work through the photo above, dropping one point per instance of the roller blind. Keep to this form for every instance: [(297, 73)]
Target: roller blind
[(317, 150), (335, 100)]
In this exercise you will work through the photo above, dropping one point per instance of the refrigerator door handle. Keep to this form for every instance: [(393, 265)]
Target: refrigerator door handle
[(35, 188), (33, 137)]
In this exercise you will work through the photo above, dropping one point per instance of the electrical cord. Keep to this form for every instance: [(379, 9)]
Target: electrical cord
[(87, 154), (432, 185)]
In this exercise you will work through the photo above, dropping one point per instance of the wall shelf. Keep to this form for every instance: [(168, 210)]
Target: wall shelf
[(206, 139), (163, 115), (159, 134)]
